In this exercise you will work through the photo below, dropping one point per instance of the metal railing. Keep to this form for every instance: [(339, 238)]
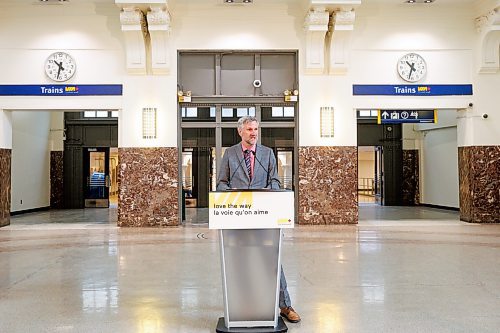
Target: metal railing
[(366, 186)]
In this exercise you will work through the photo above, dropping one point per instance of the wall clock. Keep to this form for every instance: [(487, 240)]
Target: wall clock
[(412, 67), (60, 66)]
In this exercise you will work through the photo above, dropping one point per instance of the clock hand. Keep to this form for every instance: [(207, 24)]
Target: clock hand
[(412, 68), (61, 68)]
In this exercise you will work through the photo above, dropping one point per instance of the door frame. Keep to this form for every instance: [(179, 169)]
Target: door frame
[(95, 202)]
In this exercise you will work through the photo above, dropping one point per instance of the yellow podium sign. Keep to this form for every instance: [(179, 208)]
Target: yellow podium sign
[(251, 210)]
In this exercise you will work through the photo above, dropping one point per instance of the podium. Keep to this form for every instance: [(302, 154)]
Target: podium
[(249, 224)]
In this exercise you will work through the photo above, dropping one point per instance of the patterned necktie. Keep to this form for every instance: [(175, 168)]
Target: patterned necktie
[(248, 162)]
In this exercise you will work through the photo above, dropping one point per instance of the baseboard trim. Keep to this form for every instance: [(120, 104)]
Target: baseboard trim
[(440, 207), (32, 210)]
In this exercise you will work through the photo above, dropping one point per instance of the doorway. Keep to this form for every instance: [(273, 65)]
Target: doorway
[(90, 159), (384, 144), (96, 175), (370, 174)]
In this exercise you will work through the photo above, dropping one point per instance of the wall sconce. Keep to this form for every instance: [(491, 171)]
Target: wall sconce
[(149, 123), (326, 122)]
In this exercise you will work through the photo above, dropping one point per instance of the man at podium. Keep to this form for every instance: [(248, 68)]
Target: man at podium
[(248, 165)]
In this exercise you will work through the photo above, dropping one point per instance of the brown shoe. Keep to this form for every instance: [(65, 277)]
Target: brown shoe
[(290, 314)]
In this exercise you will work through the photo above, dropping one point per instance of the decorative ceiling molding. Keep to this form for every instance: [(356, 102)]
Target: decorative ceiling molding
[(342, 24), (146, 24), (344, 19), (316, 25), (340, 41), (159, 31), (135, 30), (488, 26), (484, 22)]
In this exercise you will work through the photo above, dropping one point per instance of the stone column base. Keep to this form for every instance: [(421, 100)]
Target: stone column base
[(328, 185), (411, 192), (5, 165), (148, 187), (56, 179), (479, 181)]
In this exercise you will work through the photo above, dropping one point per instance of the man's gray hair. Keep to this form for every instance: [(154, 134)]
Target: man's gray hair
[(246, 119)]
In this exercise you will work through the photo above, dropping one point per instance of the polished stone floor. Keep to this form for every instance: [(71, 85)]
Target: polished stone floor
[(402, 269)]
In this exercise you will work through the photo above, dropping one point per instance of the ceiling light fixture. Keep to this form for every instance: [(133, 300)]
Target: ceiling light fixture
[(238, 1)]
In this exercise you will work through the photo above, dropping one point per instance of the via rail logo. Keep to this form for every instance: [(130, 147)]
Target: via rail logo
[(424, 89), (283, 222)]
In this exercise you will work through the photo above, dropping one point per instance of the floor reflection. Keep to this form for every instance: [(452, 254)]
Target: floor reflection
[(148, 316), (96, 298)]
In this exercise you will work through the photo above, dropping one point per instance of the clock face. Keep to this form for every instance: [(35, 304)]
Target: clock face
[(59, 66), (412, 67)]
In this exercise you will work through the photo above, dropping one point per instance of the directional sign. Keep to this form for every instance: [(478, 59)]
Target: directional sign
[(406, 116), (412, 89), (61, 90)]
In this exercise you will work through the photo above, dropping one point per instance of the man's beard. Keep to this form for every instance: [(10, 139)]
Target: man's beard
[(250, 143)]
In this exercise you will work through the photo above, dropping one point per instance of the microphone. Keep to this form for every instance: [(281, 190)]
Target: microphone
[(234, 172), (267, 170)]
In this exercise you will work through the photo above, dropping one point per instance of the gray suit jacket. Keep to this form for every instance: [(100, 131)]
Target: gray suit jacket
[(233, 172)]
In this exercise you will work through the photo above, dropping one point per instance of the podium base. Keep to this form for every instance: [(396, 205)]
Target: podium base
[(221, 328)]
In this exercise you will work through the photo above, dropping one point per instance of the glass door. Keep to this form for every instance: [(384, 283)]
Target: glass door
[(198, 146), (96, 174)]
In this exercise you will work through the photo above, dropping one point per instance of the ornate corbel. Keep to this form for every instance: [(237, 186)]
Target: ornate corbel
[(488, 26), (316, 25), (135, 31), (343, 25), (159, 31)]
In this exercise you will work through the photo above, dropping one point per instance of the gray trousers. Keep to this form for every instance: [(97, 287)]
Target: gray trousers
[(284, 296)]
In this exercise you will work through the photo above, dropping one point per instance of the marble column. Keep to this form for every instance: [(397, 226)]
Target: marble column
[(411, 195), (148, 187), (328, 185), (479, 181), (5, 163), (56, 179)]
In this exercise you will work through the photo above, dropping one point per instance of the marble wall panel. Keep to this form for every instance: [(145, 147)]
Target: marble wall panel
[(411, 195), (148, 187), (479, 183), (56, 179), (464, 180), (328, 185), (5, 165)]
